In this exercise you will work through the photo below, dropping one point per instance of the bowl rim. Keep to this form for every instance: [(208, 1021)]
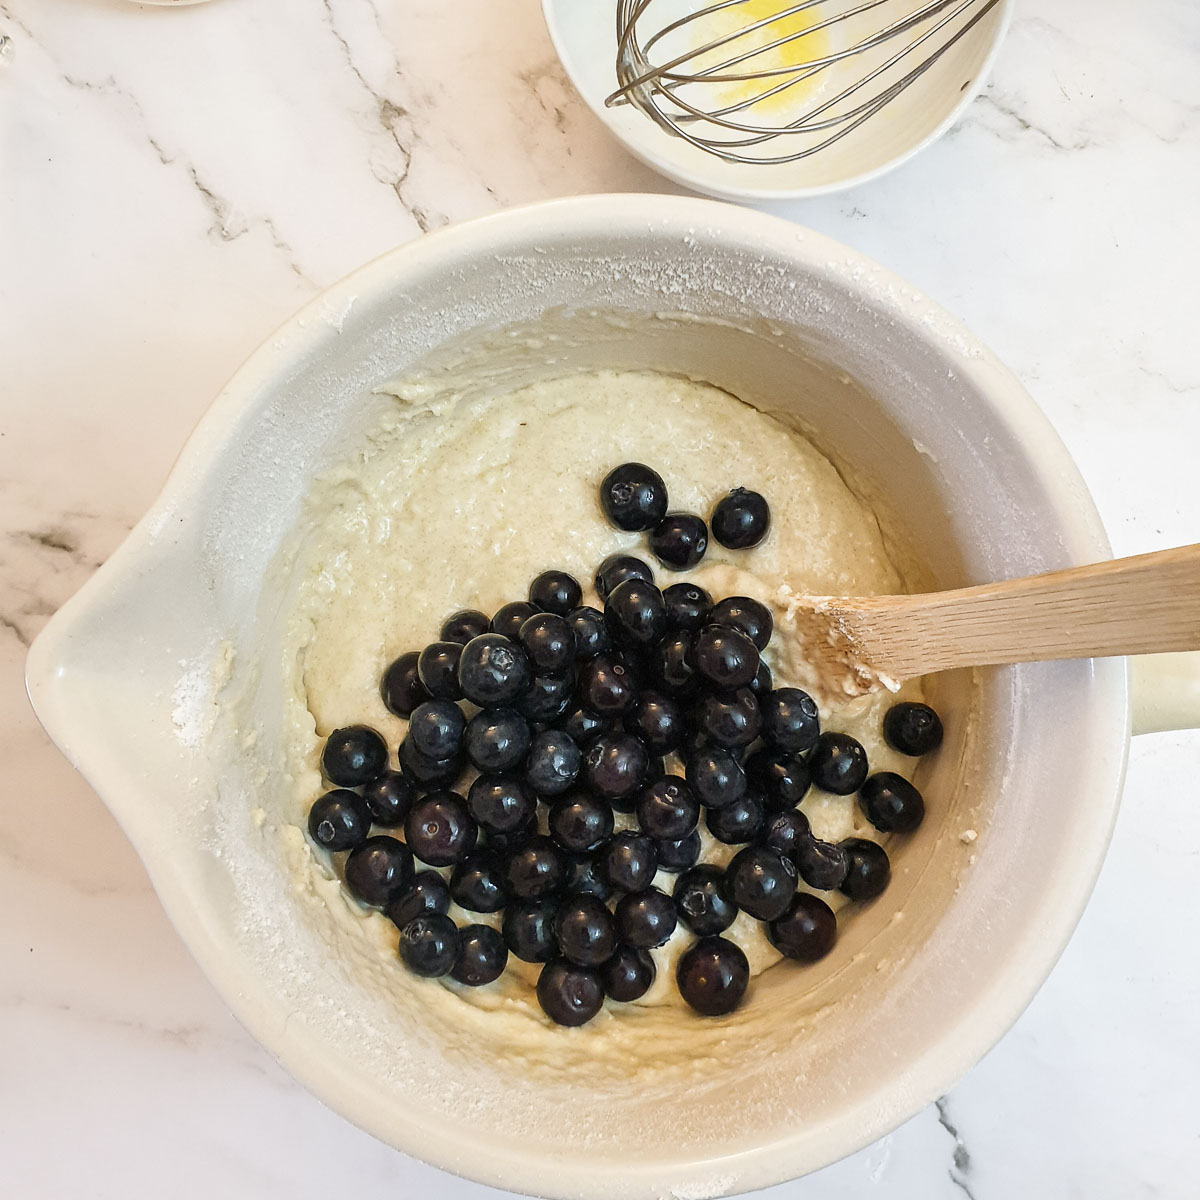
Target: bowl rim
[(962, 1043), (707, 180)]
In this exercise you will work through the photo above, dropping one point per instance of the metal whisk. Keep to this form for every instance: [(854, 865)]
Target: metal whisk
[(767, 81)]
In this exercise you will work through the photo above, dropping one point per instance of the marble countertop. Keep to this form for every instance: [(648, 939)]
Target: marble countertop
[(175, 181)]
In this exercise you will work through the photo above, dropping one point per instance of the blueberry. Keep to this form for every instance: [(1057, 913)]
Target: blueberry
[(430, 772), (679, 541), (493, 670), (616, 569), (724, 656), (581, 726), (615, 766), (687, 605), (497, 739), (555, 592), (482, 956), (712, 976), (912, 729), (553, 763), (548, 698), (437, 669), (763, 681), (628, 975), (427, 893), (339, 820), (746, 615), (838, 764), (535, 870), (591, 634), (785, 832), (658, 721), (510, 617), (549, 643), (528, 930), (389, 798), (729, 719), (607, 687), (667, 809), (671, 666), (645, 919), (501, 803), (429, 944), (569, 994), (741, 821), (790, 719), (891, 803), (715, 777), (702, 900), (869, 869), (629, 861), (435, 728), (377, 869), (760, 882), (585, 877), (634, 497), (584, 930), (806, 931), (679, 854), (401, 688), (822, 865), (780, 776), (354, 755), (741, 519), (439, 829), (581, 823), (477, 885), (464, 625), (635, 613)]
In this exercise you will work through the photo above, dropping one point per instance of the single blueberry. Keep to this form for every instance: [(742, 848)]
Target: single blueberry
[(687, 605), (712, 976), (658, 721), (785, 832), (607, 687), (428, 893), (339, 820), (822, 865), (790, 719), (581, 823), (439, 830), (389, 798), (555, 592), (510, 617), (891, 803), (628, 975), (429, 944), (741, 519), (591, 634), (493, 670), (635, 613), (437, 668), (614, 766), (528, 930), (435, 728), (377, 869), (634, 497), (715, 777), (482, 956), (497, 740), (464, 625), (838, 764), (724, 656), (549, 643), (616, 569), (746, 615), (553, 763), (585, 876), (806, 931), (581, 726), (583, 929), (501, 803), (430, 772), (702, 900), (912, 729), (741, 821), (353, 756), (730, 720), (628, 861), (535, 870), (477, 885), (678, 854), (547, 699), (761, 882), (401, 687), (569, 994), (679, 541), (645, 919), (781, 777), (667, 809), (868, 870)]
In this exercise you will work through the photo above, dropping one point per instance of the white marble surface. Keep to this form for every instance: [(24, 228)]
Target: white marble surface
[(173, 182)]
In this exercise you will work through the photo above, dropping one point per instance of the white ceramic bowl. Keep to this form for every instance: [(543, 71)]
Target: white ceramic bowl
[(132, 678), (584, 36)]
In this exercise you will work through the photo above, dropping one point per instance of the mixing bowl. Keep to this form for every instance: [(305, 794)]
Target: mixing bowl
[(161, 681)]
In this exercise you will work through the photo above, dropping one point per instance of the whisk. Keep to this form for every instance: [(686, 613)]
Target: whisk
[(765, 81)]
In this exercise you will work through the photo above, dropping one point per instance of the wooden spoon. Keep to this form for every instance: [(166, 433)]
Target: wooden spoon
[(1141, 605)]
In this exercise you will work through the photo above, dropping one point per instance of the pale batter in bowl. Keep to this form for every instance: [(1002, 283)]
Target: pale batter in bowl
[(458, 504)]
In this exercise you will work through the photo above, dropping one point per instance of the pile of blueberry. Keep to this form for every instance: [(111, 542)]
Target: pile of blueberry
[(660, 707), (634, 498)]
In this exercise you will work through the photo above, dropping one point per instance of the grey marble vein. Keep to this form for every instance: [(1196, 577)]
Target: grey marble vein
[(960, 1163)]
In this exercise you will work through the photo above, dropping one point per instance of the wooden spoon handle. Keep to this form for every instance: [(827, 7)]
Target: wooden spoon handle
[(1141, 605)]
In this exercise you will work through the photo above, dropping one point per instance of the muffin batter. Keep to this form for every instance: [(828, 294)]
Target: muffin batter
[(459, 504)]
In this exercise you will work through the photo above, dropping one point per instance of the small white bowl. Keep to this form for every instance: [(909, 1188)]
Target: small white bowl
[(584, 35)]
